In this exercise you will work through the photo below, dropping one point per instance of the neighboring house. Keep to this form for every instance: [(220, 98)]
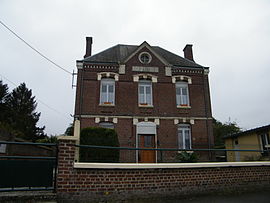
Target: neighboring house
[(254, 139), (153, 99), (22, 150)]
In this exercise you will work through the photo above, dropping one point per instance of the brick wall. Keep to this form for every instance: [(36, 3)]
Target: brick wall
[(164, 108), (108, 184)]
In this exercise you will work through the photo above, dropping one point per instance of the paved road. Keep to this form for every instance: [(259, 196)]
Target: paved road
[(248, 197)]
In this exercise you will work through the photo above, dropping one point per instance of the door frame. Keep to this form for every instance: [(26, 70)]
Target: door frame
[(145, 128)]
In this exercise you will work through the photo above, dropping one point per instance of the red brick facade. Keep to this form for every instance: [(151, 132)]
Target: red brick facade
[(126, 112), (116, 184)]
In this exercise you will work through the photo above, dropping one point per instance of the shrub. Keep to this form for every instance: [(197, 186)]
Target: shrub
[(187, 157), (99, 137)]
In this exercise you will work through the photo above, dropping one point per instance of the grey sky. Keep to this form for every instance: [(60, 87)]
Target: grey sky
[(231, 37)]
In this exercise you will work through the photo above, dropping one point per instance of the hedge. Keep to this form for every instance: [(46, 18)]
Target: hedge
[(100, 137)]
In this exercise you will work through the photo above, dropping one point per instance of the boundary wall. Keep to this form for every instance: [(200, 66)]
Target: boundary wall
[(108, 182)]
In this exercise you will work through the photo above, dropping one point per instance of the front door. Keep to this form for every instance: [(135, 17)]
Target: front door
[(147, 156)]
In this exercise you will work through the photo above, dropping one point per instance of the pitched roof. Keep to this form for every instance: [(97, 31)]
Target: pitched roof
[(254, 130), (120, 52)]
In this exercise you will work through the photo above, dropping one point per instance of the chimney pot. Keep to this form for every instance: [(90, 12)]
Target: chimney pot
[(188, 52), (89, 41)]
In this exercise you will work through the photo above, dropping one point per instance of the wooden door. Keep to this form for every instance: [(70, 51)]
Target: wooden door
[(147, 156)]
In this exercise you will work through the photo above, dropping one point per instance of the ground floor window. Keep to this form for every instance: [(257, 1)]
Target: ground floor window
[(106, 125), (184, 136), (3, 148), (265, 143)]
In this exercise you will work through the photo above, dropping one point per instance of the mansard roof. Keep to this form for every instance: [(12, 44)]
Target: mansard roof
[(120, 52)]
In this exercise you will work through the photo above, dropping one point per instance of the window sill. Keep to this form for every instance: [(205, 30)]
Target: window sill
[(106, 105), (146, 106), (184, 107)]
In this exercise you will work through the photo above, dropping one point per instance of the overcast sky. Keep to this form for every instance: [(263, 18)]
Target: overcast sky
[(231, 37)]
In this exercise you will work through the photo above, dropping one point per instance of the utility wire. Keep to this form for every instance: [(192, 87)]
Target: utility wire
[(42, 55), (40, 101)]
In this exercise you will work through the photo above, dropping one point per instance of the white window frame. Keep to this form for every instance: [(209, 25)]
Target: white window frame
[(180, 98), (107, 82), (144, 84), (181, 135)]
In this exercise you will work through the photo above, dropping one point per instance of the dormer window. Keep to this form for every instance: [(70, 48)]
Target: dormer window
[(145, 58)]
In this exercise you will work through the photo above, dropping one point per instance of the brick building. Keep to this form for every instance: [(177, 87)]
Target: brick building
[(150, 96)]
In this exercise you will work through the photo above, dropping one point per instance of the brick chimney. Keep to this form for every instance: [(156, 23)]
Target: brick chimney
[(188, 52), (88, 51)]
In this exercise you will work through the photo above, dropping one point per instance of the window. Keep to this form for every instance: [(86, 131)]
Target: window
[(145, 92), (184, 136), (145, 58), (182, 98), (3, 148), (107, 89), (265, 143), (106, 125)]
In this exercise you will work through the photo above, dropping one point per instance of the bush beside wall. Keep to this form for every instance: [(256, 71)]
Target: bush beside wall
[(99, 137)]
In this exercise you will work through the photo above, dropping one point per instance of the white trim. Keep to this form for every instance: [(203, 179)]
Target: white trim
[(79, 65), (122, 69), (107, 75), (135, 78), (168, 71), (97, 120), (149, 55), (135, 121), (115, 120), (149, 117), (140, 76), (206, 71), (63, 137), (176, 78), (170, 165)]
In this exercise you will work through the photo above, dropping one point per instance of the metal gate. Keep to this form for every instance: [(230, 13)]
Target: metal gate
[(19, 173)]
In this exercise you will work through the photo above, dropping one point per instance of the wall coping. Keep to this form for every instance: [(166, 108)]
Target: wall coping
[(166, 165), (64, 137)]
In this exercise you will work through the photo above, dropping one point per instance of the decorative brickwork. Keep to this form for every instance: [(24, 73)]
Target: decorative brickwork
[(108, 184)]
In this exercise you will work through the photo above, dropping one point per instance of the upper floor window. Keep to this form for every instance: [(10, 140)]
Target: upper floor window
[(184, 136), (145, 92), (182, 96), (107, 91), (145, 57)]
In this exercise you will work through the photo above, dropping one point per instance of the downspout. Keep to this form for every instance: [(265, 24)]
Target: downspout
[(206, 114), (81, 94)]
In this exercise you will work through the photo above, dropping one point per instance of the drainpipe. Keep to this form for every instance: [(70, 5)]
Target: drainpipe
[(206, 114)]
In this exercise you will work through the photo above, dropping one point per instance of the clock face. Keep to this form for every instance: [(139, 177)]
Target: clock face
[(145, 57)]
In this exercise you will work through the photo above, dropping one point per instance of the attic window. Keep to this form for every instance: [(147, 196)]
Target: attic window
[(145, 57)]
